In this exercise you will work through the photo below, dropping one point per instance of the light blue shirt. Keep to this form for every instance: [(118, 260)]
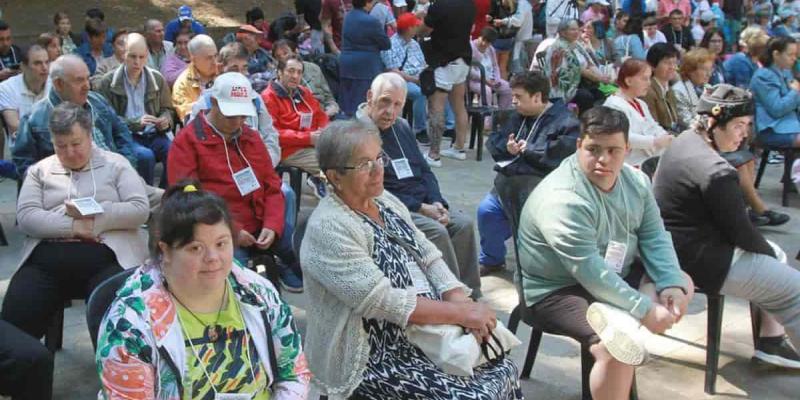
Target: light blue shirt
[(135, 107)]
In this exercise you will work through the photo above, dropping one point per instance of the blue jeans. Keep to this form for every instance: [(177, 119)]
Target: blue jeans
[(421, 109), (149, 150), (494, 229)]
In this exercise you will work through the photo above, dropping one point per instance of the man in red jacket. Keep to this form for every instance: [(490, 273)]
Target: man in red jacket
[(299, 119), (229, 159)]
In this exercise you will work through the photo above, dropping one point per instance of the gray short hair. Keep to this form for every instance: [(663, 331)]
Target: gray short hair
[(568, 23), (390, 79), (336, 144), (200, 42), (66, 115), (59, 66)]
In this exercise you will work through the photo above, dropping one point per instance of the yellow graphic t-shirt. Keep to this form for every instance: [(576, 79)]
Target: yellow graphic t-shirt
[(224, 360)]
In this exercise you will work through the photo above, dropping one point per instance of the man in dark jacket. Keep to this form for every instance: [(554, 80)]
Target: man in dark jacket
[(677, 34), (531, 143), (409, 177)]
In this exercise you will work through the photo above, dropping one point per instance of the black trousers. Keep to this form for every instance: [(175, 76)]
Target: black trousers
[(55, 272), (26, 367)]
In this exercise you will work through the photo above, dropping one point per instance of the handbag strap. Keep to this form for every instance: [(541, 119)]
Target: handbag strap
[(498, 351)]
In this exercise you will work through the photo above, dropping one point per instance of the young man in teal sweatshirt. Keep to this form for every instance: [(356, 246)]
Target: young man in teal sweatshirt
[(596, 260)]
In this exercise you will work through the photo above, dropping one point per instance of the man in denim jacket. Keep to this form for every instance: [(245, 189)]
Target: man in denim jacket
[(70, 78)]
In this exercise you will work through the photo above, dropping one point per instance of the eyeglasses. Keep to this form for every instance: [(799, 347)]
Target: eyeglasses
[(370, 165)]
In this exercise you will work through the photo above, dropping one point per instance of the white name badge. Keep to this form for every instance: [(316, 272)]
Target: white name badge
[(233, 396), (615, 256), (87, 206), (246, 181), (305, 120), (402, 168)]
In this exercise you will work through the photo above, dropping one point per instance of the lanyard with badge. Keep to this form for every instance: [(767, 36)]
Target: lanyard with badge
[(518, 136), (401, 166), (616, 251), (245, 179), (245, 352), (86, 205), (305, 117)]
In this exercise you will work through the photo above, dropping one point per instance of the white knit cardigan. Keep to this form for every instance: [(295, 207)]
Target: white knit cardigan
[(344, 285)]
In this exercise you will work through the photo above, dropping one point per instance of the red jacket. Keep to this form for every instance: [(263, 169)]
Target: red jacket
[(201, 155), (287, 121)]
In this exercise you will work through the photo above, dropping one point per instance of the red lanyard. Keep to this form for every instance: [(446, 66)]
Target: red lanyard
[(637, 107)]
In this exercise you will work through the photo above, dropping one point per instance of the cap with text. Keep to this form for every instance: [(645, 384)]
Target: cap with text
[(234, 94)]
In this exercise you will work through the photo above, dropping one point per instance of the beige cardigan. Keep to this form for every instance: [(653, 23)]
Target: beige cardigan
[(120, 191), (344, 285)]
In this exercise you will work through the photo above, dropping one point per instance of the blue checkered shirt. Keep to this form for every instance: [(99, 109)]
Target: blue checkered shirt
[(393, 58)]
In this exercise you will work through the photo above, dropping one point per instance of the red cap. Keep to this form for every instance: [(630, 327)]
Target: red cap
[(407, 20)]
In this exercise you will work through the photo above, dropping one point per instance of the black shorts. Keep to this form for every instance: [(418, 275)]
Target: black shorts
[(563, 312)]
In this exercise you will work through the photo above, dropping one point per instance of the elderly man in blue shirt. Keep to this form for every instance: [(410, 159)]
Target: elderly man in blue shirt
[(409, 177)]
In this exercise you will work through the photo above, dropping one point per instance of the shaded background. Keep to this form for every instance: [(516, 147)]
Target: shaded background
[(29, 18)]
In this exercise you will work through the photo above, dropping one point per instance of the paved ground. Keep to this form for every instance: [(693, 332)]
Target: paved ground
[(676, 372)]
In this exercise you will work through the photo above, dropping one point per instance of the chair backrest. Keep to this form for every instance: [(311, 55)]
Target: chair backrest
[(100, 300)]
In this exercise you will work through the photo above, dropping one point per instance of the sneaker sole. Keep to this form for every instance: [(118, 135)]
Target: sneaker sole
[(622, 346), (291, 289), (454, 157), (776, 360)]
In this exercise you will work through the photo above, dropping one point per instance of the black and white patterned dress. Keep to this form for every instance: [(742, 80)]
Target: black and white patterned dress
[(396, 368)]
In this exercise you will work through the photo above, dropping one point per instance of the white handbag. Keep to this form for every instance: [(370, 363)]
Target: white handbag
[(456, 351)]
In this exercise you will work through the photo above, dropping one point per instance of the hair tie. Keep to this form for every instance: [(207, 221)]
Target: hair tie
[(189, 188)]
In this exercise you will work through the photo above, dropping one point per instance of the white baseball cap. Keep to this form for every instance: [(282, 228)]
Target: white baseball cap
[(601, 2), (234, 94), (399, 3)]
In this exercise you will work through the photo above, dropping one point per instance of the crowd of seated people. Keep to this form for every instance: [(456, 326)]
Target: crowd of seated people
[(625, 155)]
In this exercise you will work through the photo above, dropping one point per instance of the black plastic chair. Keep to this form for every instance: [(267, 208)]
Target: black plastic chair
[(295, 182), (716, 304), (100, 300), (789, 154), (477, 113)]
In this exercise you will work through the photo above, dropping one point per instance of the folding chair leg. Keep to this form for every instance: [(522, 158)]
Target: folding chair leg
[(3, 241), (714, 331), (762, 166), (54, 337), (533, 348), (634, 392), (479, 151), (513, 319), (787, 176), (587, 362)]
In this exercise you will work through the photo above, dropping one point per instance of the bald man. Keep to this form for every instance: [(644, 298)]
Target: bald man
[(70, 79), (141, 97)]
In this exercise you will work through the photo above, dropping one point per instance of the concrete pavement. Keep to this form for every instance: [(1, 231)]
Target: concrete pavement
[(676, 371)]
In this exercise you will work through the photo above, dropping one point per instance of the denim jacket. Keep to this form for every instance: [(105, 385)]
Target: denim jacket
[(33, 140), (777, 104)]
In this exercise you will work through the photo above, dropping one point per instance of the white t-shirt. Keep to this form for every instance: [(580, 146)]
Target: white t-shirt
[(15, 95), (648, 41)]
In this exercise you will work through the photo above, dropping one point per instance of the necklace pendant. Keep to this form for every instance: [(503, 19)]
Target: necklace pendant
[(212, 332)]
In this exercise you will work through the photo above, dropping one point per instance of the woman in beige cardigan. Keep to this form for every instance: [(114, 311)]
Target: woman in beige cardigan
[(81, 210), (369, 273)]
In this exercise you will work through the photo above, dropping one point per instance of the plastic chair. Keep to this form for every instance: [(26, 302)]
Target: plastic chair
[(716, 304), (477, 113), (789, 154), (295, 181), (100, 300)]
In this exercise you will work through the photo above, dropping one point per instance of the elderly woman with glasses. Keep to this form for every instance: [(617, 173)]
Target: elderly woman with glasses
[(370, 274)]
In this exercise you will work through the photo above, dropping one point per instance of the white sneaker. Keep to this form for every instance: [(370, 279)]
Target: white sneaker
[(452, 152), (619, 331), (433, 163)]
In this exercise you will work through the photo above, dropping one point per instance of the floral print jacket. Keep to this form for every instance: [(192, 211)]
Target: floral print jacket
[(141, 353)]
